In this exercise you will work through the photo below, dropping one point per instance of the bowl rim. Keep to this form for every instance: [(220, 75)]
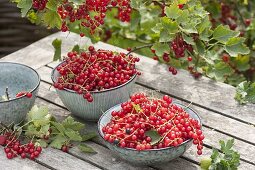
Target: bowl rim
[(36, 87), (102, 91), (149, 150)]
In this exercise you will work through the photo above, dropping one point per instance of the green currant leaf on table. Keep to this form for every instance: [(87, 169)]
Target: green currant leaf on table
[(245, 92), (73, 135), (41, 142), (89, 136), (69, 122), (57, 46), (58, 141), (76, 48), (86, 149), (154, 135), (228, 159), (58, 127)]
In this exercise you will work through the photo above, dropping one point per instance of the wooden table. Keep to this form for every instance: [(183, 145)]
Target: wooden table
[(221, 115)]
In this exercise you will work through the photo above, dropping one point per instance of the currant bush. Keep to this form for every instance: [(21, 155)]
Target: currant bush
[(129, 127)]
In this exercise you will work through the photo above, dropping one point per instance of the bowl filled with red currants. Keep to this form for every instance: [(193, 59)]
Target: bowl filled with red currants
[(18, 89), (146, 130), (92, 81)]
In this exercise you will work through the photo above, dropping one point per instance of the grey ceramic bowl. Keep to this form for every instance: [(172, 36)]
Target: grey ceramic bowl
[(17, 77), (102, 100), (146, 157)]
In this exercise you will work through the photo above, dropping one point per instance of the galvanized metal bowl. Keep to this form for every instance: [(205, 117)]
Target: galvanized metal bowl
[(102, 100), (17, 77), (146, 157)]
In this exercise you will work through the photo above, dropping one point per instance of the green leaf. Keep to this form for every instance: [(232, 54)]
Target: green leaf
[(154, 135), (200, 47), (137, 108), (188, 40), (52, 19), (170, 25), (245, 92), (235, 46), (25, 5), (220, 71), (136, 4), (76, 48), (86, 149), (161, 48), (165, 36), (31, 131), (41, 142), (53, 4), (59, 127), (89, 136), (37, 113), (58, 141), (69, 122), (73, 135), (223, 34), (242, 62), (173, 11), (205, 163), (77, 2), (157, 28), (57, 45)]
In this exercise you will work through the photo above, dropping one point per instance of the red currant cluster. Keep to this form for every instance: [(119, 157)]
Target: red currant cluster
[(128, 127), (227, 18), (81, 13), (179, 46), (39, 4), (95, 70), (13, 148), (23, 93)]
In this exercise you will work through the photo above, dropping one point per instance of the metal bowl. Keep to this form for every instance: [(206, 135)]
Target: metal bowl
[(17, 77), (102, 100), (146, 157)]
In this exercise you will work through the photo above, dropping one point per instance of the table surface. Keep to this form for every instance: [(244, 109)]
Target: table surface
[(222, 117)]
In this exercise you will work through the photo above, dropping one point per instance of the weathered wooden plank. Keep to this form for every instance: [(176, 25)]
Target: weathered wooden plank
[(18, 163), (212, 137), (105, 158), (63, 161), (112, 161)]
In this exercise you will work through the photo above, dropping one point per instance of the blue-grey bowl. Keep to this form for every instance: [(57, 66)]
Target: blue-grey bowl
[(102, 100), (146, 157), (17, 77)]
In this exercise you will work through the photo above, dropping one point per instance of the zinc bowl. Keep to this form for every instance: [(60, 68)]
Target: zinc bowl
[(145, 157), (17, 77), (102, 100)]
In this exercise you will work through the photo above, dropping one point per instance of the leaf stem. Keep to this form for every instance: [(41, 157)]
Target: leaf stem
[(138, 48), (7, 93)]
